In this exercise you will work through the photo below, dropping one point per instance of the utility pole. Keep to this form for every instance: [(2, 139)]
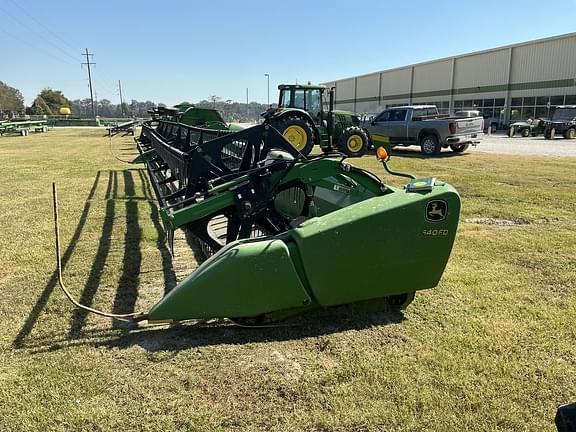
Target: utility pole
[(268, 77), (247, 110), (89, 63), (121, 101)]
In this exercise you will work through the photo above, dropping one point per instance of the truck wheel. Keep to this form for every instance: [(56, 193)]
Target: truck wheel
[(570, 133), (297, 132), (459, 148), (511, 131), (429, 145), (547, 133), (353, 142), (525, 132)]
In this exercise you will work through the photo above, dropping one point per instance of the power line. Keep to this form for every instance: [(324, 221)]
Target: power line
[(32, 29), (34, 47), (40, 23)]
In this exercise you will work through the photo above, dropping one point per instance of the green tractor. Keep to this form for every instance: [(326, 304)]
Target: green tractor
[(301, 119)]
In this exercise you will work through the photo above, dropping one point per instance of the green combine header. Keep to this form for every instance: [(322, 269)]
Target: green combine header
[(284, 233)]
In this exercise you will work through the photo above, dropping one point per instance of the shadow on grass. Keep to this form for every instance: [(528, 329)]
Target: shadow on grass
[(79, 316), (185, 335), (43, 299), (127, 289), (416, 154)]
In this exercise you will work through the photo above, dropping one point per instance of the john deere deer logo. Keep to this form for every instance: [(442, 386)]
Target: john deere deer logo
[(436, 210)]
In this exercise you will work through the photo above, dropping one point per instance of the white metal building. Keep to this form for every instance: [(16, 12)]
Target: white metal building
[(509, 83)]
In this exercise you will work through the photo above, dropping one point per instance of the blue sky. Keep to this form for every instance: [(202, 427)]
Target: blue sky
[(184, 50)]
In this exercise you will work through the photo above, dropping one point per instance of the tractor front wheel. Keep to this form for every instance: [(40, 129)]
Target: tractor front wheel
[(353, 142), (570, 133), (525, 132), (297, 132)]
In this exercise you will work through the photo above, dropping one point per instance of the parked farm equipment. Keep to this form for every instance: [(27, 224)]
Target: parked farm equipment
[(128, 127), (526, 128), (284, 234), (191, 115), (22, 127), (301, 119)]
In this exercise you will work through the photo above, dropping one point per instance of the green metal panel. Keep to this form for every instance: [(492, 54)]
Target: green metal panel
[(197, 116), (246, 278), (379, 247)]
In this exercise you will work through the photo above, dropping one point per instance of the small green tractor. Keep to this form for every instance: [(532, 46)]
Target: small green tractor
[(302, 120)]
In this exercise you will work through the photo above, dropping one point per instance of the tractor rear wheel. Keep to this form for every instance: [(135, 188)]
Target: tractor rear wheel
[(353, 142), (298, 132), (570, 133)]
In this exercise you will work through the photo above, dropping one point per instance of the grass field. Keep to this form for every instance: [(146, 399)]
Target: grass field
[(491, 348)]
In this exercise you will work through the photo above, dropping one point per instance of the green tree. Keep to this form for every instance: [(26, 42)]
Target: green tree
[(49, 102), (11, 99)]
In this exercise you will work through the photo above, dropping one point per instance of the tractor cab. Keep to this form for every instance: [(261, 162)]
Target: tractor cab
[(304, 97)]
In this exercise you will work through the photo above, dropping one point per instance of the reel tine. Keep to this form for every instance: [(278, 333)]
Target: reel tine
[(170, 238)]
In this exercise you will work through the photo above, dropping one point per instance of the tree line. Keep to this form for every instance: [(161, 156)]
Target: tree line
[(49, 102)]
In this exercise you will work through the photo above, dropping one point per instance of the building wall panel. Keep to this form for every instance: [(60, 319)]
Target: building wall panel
[(432, 76), (367, 86), (544, 61), (396, 82), (481, 70), (345, 89)]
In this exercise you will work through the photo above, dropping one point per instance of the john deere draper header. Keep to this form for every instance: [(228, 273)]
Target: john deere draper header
[(287, 233)]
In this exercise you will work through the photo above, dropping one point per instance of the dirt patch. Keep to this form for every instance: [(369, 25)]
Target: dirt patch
[(510, 222), (497, 221)]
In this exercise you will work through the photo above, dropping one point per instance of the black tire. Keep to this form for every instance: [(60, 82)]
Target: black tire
[(298, 132), (400, 301), (429, 145), (547, 134), (353, 142), (570, 133), (525, 132), (459, 148)]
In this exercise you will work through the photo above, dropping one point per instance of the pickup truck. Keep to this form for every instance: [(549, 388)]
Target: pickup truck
[(422, 125)]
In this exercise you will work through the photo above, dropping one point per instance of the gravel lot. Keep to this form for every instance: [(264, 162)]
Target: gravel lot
[(502, 144)]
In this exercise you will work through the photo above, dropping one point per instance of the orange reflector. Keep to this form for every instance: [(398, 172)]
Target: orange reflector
[(381, 153)]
